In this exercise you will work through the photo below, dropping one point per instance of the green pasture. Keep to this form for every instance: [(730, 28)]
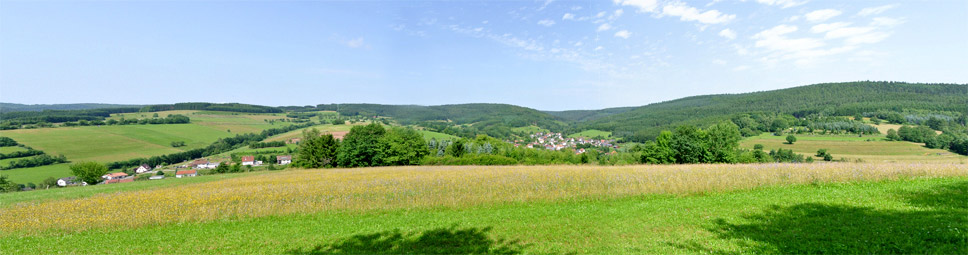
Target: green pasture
[(866, 148), (591, 133), (529, 130), (427, 135), (907, 216), (37, 174), (10, 149)]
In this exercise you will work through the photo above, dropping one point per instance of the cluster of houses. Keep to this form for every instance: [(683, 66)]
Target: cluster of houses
[(190, 170), (555, 141)]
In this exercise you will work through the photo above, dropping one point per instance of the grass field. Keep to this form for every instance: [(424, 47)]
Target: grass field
[(111, 143), (114, 143), (427, 135), (9, 149), (529, 130), (853, 147), (325, 128), (778, 208), (592, 133)]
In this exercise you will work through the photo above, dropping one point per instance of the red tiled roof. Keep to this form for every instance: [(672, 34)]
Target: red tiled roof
[(118, 174), (248, 158), (286, 157), (184, 172), (126, 180)]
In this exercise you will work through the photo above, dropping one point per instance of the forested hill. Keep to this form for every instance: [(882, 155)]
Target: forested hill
[(588, 115), (840, 99), (478, 114), (9, 107)]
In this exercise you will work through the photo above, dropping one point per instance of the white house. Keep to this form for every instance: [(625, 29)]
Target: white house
[(113, 176), (156, 177), (186, 173), (144, 168), (248, 160), (64, 182), (284, 160)]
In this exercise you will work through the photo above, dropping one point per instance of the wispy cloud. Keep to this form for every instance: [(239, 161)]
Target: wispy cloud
[(728, 33), (604, 27), (623, 34), (642, 5), (875, 10), (688, 13), (821, 15), (782, 3), (568, 16), (546, 22)]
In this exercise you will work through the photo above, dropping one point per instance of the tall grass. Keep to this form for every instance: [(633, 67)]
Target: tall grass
[(363, 189)]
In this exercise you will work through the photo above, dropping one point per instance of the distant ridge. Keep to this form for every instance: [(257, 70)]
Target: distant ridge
[(11, 107)]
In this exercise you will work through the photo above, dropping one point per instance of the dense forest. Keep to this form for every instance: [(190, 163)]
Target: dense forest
[(831, 99)]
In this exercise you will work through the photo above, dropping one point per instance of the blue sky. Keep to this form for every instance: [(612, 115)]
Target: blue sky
[(548, 55)]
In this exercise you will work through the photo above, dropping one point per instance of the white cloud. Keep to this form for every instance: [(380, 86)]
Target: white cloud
[(774, 39), (604, 27), (741, 68), (600, 14), (719, 62), (823, 28), (876, 10), (847, 32), (575, 8), (782, 3), (643, 5), (355, 43), (598, 48), (688, 13), (728, 33), (874, 37), (578, 44), (886, 22), (546, 22), (623, 34), (568, 16), (821, 15)]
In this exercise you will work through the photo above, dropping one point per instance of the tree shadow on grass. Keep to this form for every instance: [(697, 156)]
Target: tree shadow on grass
[(810, 228), (435, 241), (942, 197)]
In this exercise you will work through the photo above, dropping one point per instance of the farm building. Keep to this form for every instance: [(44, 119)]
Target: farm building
[(186, 173), (156, 177), (142, 169), (67, 181), (284, 160), (248, 160), (113, 176)]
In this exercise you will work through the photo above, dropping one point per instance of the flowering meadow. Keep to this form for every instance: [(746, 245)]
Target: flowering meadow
[(387, 188)]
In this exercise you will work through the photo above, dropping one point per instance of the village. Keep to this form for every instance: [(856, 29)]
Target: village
[(555, 141), (158, 172)]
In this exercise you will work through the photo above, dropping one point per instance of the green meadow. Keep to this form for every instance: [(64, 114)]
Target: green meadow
[(852, 147), (912, 215), (591, 133)]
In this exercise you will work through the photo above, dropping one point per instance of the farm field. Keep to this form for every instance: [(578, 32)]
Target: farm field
[(336, 130), (37, 174), (775, 208), (222, 121), (9, 149), (853, 147), (114, 143), (591, 134), (427, 135)]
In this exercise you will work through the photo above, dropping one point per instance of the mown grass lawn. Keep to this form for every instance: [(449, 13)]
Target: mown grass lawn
[(917, 215)]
